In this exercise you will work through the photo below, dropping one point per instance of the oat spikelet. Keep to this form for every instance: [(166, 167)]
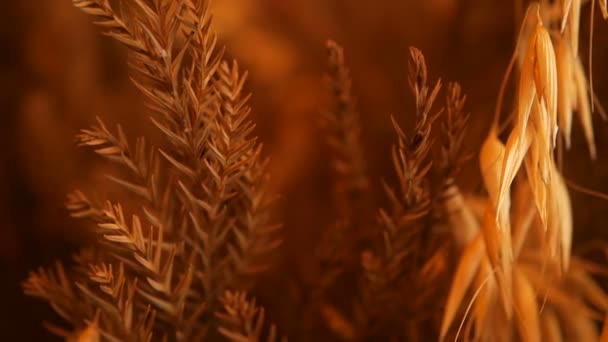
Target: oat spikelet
[(468, 266), (583, 107), (565, 76), (342, 123), (526, 308)]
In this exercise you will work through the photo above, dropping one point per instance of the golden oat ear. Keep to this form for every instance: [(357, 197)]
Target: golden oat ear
[(465, 273), (583, 107), (565, 75), (527, 25), (573, 26), (566, 8), (526, 307)]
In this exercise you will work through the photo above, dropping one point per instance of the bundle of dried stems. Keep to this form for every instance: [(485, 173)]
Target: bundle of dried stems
[(176, 257)]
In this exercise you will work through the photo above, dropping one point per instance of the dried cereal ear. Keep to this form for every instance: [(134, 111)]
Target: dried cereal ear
[(465, 273), (491, 159), (566, 8), (573, 26), (523, 214), (545, 77), (583, 107), (527, 90), (485, 301), (527, 311), (515, 151), (565, 78), (499, 251), (562, 218)]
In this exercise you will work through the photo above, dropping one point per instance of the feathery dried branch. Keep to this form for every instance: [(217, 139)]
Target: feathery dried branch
[(396, 264), (243, 321), (209, 216)]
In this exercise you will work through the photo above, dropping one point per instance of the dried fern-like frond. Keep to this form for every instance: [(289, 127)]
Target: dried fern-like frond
[(243, 321), (207, 215), (395, 265), (412, 165)]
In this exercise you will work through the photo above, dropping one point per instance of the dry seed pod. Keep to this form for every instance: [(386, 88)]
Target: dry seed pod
[(524, 212), (565, 76), (566, 8), (463, 277), (499, 250), (566, 221), (541, 128), (583, 107), (527, 317), (527, 89), (545, 76), (539, 188), (516, 149), (486, 299), (491, 160), (573, 26)]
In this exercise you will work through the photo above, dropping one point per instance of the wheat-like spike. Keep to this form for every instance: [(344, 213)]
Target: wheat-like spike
[(400, 242), (337, 250), (244, 321), (453, 129), (343, 129)]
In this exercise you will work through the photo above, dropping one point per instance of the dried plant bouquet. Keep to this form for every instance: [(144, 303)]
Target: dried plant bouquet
[(177, 258)]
